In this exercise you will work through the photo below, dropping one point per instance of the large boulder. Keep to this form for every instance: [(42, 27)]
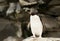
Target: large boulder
[(9, 28), (49, 22)]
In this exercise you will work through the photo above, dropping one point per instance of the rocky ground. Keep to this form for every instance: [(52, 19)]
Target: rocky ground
[(41, 39)]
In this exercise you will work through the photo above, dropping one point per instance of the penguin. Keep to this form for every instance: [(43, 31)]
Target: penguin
[(36, 24)]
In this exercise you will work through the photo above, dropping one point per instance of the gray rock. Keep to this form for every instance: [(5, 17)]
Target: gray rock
[(18, 8), (58, 19), (11, 8), (50, 22), (19, 32), (10, 38), (2, 0), (3, 23), (25, 3), (55, 10), (30, 2), (54, 2), (9, 28), (3, 6), (41, 39)]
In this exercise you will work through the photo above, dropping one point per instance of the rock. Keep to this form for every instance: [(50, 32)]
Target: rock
[(30, 2), (2, 0), (3, 23), (18, 8), (49, 22), (41, 39), (58, 19), (3, 5), (55, 33), (9, 28), (55, 10), (23, 2), (19, 32), (53, 7), (54, 2), (10, 38), (2, 8), (10, 9), (41, 2)]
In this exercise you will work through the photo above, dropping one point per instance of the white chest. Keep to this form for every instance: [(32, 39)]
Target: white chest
[(36, 24)]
